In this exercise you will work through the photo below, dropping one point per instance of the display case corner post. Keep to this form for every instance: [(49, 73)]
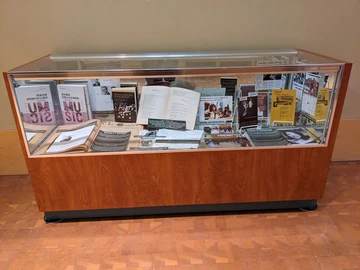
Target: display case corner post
[(346, 71), (12, 101)]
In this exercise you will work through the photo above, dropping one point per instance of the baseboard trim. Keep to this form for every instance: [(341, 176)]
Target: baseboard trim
[(347, 147), (208, 209)]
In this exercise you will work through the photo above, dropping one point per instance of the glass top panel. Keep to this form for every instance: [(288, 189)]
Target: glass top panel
[(152, 61)]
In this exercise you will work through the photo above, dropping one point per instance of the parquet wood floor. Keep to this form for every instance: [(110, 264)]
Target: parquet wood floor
[(328, 238)]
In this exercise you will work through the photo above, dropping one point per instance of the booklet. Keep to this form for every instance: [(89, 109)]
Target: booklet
[(248, 111), (283, 106), (263, 104), (322, 105), (173, 103), (100, 91)]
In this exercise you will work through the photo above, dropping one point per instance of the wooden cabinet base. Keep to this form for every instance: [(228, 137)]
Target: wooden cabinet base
[(50, 217), (179, 178)]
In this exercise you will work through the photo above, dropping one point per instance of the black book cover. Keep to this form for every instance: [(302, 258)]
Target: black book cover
[(229, 84), (124, 105)]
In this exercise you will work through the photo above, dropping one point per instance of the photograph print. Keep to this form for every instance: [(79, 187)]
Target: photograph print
[(299, 78), (216, 108), (248, 111), (271, 77), (311, 85)]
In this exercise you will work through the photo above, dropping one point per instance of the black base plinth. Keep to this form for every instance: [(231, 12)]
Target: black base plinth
[(57, 216)]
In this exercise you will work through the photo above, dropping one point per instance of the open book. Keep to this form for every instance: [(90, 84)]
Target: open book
[(36, 134), (173, 103), (70, 138), (91, 136)]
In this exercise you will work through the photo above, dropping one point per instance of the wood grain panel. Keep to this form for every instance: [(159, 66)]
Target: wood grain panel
[(92, 182)]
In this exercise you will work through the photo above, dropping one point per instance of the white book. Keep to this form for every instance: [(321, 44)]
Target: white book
[(100, 92), (173, 103), (36, 104), (74, 103)]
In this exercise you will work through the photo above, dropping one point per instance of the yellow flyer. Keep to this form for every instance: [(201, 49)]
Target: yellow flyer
[(283, 107), (322, 105)]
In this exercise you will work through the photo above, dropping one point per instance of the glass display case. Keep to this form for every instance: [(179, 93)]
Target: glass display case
[(158, 104), (240, 99)]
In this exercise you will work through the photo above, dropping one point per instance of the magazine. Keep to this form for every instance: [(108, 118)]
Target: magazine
[(265, 137), (297, 136)]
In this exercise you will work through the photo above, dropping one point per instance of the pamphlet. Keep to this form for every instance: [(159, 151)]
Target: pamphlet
[(100, 92), (248, 111), (263, 104), (283, 107), (322, 105)]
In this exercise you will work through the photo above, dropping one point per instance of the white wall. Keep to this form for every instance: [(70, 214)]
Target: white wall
[(30, 29)]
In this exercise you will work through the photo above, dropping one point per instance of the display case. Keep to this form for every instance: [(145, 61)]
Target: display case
[(129, 134)]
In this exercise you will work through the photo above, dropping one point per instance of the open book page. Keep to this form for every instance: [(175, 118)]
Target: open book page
[(70, 139), (114, 127), (70, 128), (153, 103), (183, 105), (36, 134)]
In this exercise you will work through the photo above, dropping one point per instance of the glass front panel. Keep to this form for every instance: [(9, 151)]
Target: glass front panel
[(95, 115)]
